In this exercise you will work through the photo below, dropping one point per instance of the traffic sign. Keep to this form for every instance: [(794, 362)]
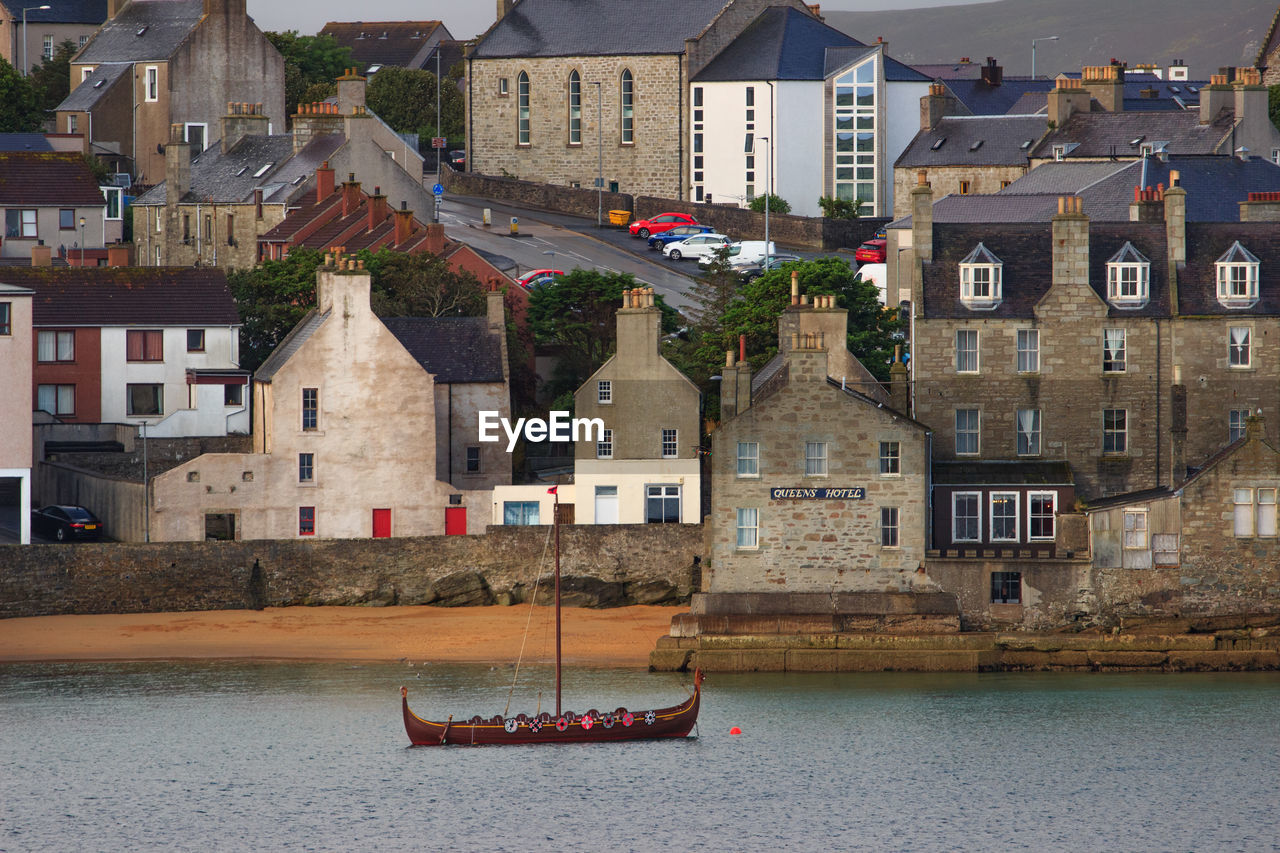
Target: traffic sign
[(438, 190), (437, 142)]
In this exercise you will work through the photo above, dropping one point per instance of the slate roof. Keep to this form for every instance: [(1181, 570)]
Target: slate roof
[(167, 23), (63, 11), (1143, 496), (543, 28), (1168, 92), (1025, 248), (94, 87), (782, 43), (292, 342), (1100, 134), (839, 58), (127, 296), (950, 70), (47, 179), (1000, 141), (231, 178), (1001, 473), (384, 42), (24, 142), (453, 349), (983, 99)]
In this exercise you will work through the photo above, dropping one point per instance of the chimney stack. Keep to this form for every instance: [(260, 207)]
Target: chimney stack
[(324, 182), (1177, 429), (992, 74), (377, 208), (899, 390), (351, 93), (638, 325), (177, 167), (240, 121), (404, 224), (1175, 224), (1106, 85), (936, 105), (120, 255), (1254, 131), (41, 255), (435, 238), (1070, 243), (115, 7), (1066, 98), (350, 194), (504, 8), (225, 8), (1215, 98)]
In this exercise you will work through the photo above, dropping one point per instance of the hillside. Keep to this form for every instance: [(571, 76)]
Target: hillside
[(1205, 35)]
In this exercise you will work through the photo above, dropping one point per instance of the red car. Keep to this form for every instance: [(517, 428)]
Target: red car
[(535, 278), (642, 228), (871, 252)]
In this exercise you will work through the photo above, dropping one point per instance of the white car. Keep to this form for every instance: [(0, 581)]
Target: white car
[(745, 253), (697, 246)]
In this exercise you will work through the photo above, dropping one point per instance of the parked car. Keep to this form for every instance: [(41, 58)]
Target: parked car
[(697, 246), (457, 159), (680, 232), (537, 278), (65, 523), (871, 252), (643, 228), (750, 252), (878, 275), (750, 272)]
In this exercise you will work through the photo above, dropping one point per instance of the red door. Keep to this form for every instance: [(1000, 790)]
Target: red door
[(381, 523), (455, 521)]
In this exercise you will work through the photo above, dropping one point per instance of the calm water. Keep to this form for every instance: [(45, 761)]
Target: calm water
[(219, 756)]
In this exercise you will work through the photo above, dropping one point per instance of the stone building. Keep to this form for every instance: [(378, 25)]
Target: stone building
[(548, 97), (156, 63), (362, 427), (1064, 342), (645, 467), (1268, 57), (70, 20)]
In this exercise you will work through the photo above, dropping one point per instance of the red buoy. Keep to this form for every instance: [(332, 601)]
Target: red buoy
[(735, 731)]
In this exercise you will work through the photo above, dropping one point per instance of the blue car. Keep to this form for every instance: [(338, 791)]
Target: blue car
[(680, 232)]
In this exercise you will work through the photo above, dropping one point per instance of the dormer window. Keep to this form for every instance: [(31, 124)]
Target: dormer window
[(980, 279), (1128, 278), (1238, 277)]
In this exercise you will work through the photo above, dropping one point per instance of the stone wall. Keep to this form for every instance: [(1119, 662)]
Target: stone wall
[(1055, 593), (602, 566), (562, 199)]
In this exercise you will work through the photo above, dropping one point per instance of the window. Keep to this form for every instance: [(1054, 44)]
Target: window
[(697, 96), (815, 459), (627, 95), (1236, 420), (152, 85), (1028, 350), (967, 431), (84, 40), (310, 409), (1006, 587), (306, 467), (55, 346), (1237, 277), (1115, 430), (890, 458), (473, 459), (46, 49), (662, 505), (966, 516), (196, 134), (195, 340), (748, 459), (520, 513), (966, 351), (1255, 512), (1004, 516), (854, 131), (306, 521), (1113, 350), (145, 400), (670, 443), (112, 195), (1238, 347), (1266, 512), (1128, 277), (964, 188), (56, 399), (73, 123), (575, 108), (980, 279), (1135, 530), (748, 527), (604, 391), (503, 89), (522, 109), (233, 395), (6, 319), (1028, 432), (144, 345), (66, 219), (604, 447), (888, 527), (20, 223), (1040, 515)]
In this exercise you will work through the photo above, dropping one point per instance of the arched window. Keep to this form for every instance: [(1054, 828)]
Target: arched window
[(575, 108), (627, 98), (522, 109)]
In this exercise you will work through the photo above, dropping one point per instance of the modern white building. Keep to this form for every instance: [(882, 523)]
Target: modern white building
[(800, 109), (15, 420)]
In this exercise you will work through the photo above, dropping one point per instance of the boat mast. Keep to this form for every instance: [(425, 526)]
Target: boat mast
[(555, 521)]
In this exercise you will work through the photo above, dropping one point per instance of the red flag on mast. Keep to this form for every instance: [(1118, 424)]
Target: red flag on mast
[(552, 490)]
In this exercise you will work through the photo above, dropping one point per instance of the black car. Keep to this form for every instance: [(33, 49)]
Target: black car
[(753, 271), (457, 159), (65, 523)]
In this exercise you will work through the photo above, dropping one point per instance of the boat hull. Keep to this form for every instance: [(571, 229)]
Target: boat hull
[(592, 727)]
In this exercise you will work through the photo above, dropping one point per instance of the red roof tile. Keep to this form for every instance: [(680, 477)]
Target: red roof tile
[(126, 296), (47, 179)]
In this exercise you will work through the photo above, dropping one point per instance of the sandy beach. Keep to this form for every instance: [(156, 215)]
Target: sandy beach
[(621, 637)]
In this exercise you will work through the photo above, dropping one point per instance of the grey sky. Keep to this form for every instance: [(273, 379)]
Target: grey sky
[(464, 18)]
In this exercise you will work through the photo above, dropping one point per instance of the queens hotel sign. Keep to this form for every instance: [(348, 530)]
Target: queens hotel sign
[(855, 493)]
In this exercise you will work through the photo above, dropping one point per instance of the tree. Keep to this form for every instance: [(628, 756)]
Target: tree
[(777, 204), (51, 79), (839, 208), (1273, 104), (405, 98), (311, 65), (421, 286), (19, 102), (272, 299)]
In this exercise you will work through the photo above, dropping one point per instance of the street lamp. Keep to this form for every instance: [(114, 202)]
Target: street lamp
[(81, 241), (24, 34), (750, 149), (1033, 52), (599, 154)]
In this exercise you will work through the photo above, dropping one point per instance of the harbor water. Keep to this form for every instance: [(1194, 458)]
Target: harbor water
[(273, 756)]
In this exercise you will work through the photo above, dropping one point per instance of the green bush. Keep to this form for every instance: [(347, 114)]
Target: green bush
[(839, 208), (777, 204)]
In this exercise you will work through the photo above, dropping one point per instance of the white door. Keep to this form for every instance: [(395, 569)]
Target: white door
[(606, 504)]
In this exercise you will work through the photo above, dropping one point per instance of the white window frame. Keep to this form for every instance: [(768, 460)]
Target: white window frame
[(968, 358), (627, 113), (151, 83), (1028, 351), (86, 71), (1237, 284), (28, 223), (604, 447), (1009, 499), (1032, 516), (980, 283), (1239, 347), (1265, 499), (604, 392), (815, 458), (890, 459), (890, 527), (46, 47), (118, 203), (306, 469), (574, 125), (524, 110), (748, 528), (670, 443), (1242, 525), (749, 460), (1034, 442), (1237, 419), (976, 432), (504, 87), (1115, 359), (1135, 531), (1128, 283), (204, 134), (1120, 445), (955, 516)]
